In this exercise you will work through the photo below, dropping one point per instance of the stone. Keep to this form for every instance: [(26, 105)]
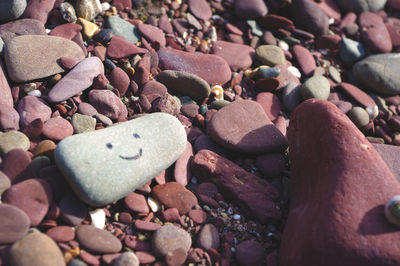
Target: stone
[(146, 226), (305, 59), (77, 80), (33, 196), (346, 207), (254, 195), (14, 224), (270, 55), (9, 118), (358, 116), (44, 148), (169, 238), (379, 73), (88, 9), (174, 195), (135, 152), (61, 233), (291, 96), (238, 56), (285, 77), (152, 33), (316, 87), (40, 162), (270, 103), (86, 109), (17, 165), (389, 154), (121, 48), (211, 68), (24, 26), (184, 83), (25, 61), (358, 95), (176, 257), (153, 89), (120, 80), (198, 216), (271, 164), (126, 259), (68, 30), (5, 182), (67, 63), (351, 51), (39, 9), (208, 237), (83, 123), (5, 90), (89, 28), (45, 251), (182, 173), (97, 240), (308, 16), (57, 128), (31, 108), (13, 140), (200, 9), (358, 6), (250, 9), (108, 104), (243, 126), (374, 33), (124, 29), (11, 9), (136, 202), (68, 12), (72, 210), (250, 252)]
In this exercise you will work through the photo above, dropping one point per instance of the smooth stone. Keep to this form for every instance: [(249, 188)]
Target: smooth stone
[(5, 182), (120, 47), (6, 98), (68, 12), (39, 9), (61, 233), (358, 6), (17, 165), (308, 16), (208, 237), (24, 26), (351, 51), (169, 238), (394, 4), (218, 104), (285, 77), (13, 140), (316, 87), (68, 30), (77, 80), (250, 9), (33, 196), (379, 73), (165, 24), (270, 103), (126, 259), (184, 83), (31, 108), (120, 80), (211, 68), (87, 109), (291, 96), (200, 9), (83, 123), (88, 9), (9, 118), (14, 224), (271, 164), (44, 148), (374, 33), (243, 126), (82, 158), (182, 173), (11, 9), (358, 116), (35, 248), (136, 202), (108, 104), (124, 29), (77, 262), (152, 33), (390, 154), (25, 61), (346, 207), (57, 128), (250, 252), (268, 72), (198, 216), (97, 240), (89, 28), (40, 162), (305, 59), (153, 89), (358, 95), (238, 56), (175, 195), (270, 55), (334, 74), (176, 257), (72, 210)]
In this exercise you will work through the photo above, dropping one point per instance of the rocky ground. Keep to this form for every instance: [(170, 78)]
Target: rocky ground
[(237, 132)]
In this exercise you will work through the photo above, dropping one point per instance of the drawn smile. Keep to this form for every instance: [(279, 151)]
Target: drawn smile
[(137, 156)]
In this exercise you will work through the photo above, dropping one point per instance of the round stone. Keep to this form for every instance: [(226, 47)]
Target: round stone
[(291, 96), (137, 203), (11, 9), (125, 259), (14, 224), (270, 55), (57, 128), (44, 148), (316, 87), (175, 195), (13, 140), (83, 123), (97, 240), (208, 237), (169, 238), (359, 116), (5, 182), (250, 252), (61, 233)]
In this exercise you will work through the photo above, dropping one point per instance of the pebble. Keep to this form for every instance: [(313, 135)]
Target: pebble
[(6, 98), (68, 31), (40, 162), (61, 233), (380, 73), (11, 9), (250, 252), (126, 259), (136, 202), (13, 140), (359, 116), (120, 47), (31, 108), (238, 56), (44, 148), (5, 183), (308, 16), (351, 51), (316, 87), (77, 80), (250, 9), (271, 164), (119, 80), (374, 33), (83, 123), (33, 196), (9, 118), (88, 9), (152, 33), (169, 238), (176, 257), (270, 103), (198, 216), (24, 26), (243, 126), (124, 29), (45, 251), (268, 72), (200, 8), (68, 12), (97, 240), (89, 28), (184, 83), (38, 9), (98, 218), (108, 104), (175, 195), (14, 224), (211, 68), (81, 157), (208, 237), (291, 96), (25, 61), (305, 59), (358, 6), (86, 109), (358, 95), (57, 128), (270, 55), (17, 165), (182, 173), (72, 210), (334, 74)]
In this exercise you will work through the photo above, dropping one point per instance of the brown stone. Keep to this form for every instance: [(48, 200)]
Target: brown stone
[(174, 195)]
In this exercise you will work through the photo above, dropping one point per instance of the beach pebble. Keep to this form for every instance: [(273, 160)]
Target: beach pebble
[(270, 103), (61, 233), (9, 118), (358, 95), (57, 128), (271, 164), (13, 140), (11, 9), (182, 173), (83, 123), (304, 59), (238, 56), (250, 252), (208, 237), (17, 165), (250, 9), (169, 238), (72, 210), (152, 33), (176, 257), (200, 8), (31, 108), (136, 202), (351, 51), (198, 216), (358, 116), (174, 195), (126, 259), (38, 9), (316, 87), (120, 47), (97, 240), (5, 182), (124, 29), (88, 9), (308, 16), (358, 6), (108, 104), (119, 80), (270, 55), (14, 224), (374, 33), (291, 96)]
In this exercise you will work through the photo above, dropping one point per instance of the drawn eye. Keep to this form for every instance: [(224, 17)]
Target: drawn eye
[(109, 145), (136, 136)]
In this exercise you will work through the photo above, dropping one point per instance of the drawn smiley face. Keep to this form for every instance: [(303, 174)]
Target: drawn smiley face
[(128, 158)]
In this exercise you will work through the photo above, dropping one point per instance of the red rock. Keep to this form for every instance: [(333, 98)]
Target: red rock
[(250, 252), (207, 188), (271, 164), (89, 258), (174, 195), (21, 26), (272, 21), (394, 32), (14, 224), (5, 90), (17, 166), (198, 216), (270, 84), (120, 80), (9, 118), (153, 89), (132, 242), (165, 24), (146, 226), (308, 16), (67, 63), (108, 104), (238, 56), (285, 77), (39, 9), (254, 195), (121, 48), (57, 128), (61, 233), (31, 108), (208, 237), (390, 154), (330, 9), (123, 5), (270, 103), (68, 30), (328, 42), (143, 70), (200, 8), (305, 59), (145, 257), (374, 33), (182, 171), (339, 186), (357, 94), (136, 202), (394, 4), (151, 33), (250, 9)]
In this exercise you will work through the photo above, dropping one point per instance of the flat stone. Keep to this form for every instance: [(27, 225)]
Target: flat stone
[(198, 216), (208, 237), (174, 195), (121, 48), (238, 56), (250, 9), (153, 89), (184, 83), (358, 6), (390, 154), (357, 94), (374, 33), (77, 80), (13, 140), (124, 29), (270, 55), (45, 251), (137, 203), (135, 152), (9, 118), (24, 26), (83, 123), (169, 238), (61, 233), (97, 240), (11, 9), (108, 104), (152, 33), (308, 16), (120, 80), (33, 196), (270, 103), (254, 195), (57, 128), (250, 252), (291, 96), (316, 87), (14, 224), (243, 126), (182, 173), (305, 59), (346, 207), (67, 30), (39, 9), (379, 73), (87, 109), (200, 8), (146, 226), (17, 165), (31, 108), (211, 68), (25, 61)]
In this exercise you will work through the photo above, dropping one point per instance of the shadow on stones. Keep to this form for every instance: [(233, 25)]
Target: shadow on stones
[(375, 223)]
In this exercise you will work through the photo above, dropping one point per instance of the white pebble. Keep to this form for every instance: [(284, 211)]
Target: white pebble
[(105, 6), (295, 71), (218, 91), (35, 93), (331, 21), (98, 217), (48, 31), (372, 111), (153, 204), (283, 45), (236, 216)]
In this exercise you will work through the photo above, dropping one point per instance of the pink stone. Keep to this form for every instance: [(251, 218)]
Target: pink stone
[(17, 165), (39, 9), (137, 203), (146, 226), (57, 128), (182, 171), (120, 80), (200, 8), (108, 104), (68, 30), (5, 90), (120, 48), (374, 34), (151, 33), (31, 108), (270, 103), (9, 117), (238, 56), (305, 59), (357, 94)]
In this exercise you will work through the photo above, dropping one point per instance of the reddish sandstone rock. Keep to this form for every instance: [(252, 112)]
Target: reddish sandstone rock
[(305, 59), (238, 56), (121, 48), (174, 195), (254, 195), (340, 185), (374, 33)]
